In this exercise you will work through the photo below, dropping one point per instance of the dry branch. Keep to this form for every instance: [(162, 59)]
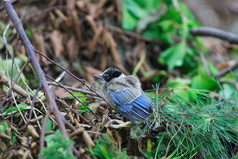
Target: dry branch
[(75, 77), (72, 88), (66, 89), (226, 70), (15, 87), (213, 32), (32, 58)]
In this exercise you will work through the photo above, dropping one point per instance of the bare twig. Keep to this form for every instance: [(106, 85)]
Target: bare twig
[(204, 63), (43, 131), (72, 88), (72, 75), (39, 72), (33, 102), (213, 32), (226, 70), (15, 87), (132, 34), (74, 97), (74, 111)]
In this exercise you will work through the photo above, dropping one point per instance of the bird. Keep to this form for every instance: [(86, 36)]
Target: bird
[(125, 94)]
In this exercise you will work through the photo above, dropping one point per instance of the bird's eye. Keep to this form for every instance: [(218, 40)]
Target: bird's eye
[(106, 77)]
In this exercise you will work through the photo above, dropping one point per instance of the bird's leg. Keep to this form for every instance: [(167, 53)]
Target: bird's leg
[(117, 124)]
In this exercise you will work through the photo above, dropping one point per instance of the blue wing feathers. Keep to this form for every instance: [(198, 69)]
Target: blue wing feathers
[(133, 109), (124, 108)]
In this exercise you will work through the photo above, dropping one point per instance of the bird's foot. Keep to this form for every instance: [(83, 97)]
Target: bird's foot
[(118, 124)]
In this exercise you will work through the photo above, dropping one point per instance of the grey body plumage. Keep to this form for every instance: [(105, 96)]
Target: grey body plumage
[(125, 94)]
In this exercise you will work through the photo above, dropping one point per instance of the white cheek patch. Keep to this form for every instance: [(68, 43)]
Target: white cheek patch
[(121, 76)]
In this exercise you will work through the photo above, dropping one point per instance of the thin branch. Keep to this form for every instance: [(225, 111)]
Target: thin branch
[(128, 33), (74, 97), (204, 63), (33, 102), (72, 88), (16, 88), (72, 75), (43, 131), (66, 89), (226, 70), (213, 32), (32, 58)]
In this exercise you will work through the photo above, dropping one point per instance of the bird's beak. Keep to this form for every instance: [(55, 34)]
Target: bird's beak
[(98, 76)]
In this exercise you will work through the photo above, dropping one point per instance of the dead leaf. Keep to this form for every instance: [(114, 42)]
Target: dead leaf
[(36, 119), (40, 42), (76, 28), (57, 42), (103, 62), (81, 5), (3, 135), (72, 48), (93, 43), (92, 23), (87, 139), (111, 44), (3, 146), (32, 132), (92, 70), (223, 65), (60, 92), (70, 5), (77, 132)]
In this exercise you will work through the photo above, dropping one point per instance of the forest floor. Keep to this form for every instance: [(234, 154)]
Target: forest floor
[(86, 37)]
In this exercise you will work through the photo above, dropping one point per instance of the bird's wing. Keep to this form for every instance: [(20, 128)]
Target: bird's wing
[(132, 105)]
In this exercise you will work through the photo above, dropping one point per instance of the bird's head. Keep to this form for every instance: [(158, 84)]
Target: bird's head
[(109, 74)]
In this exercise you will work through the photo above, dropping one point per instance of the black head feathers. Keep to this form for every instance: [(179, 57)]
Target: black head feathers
[(109, 74)]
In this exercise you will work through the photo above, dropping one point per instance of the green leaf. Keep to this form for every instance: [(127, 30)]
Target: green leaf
[(28, 33), (203, 82), (178, 83), (80, 95), (82, 108), (49, 125), (148, 19), (174, 55), (21, 106), (152, 32), (152, 4), (128, 20), (135, 9), (9, 69), (3, 126)]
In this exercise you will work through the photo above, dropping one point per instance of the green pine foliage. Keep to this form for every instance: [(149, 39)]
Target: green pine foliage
[(199, 125)]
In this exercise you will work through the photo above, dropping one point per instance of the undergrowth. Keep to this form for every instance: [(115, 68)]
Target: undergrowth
[(199, 126), (105, 149), (58, 146)]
